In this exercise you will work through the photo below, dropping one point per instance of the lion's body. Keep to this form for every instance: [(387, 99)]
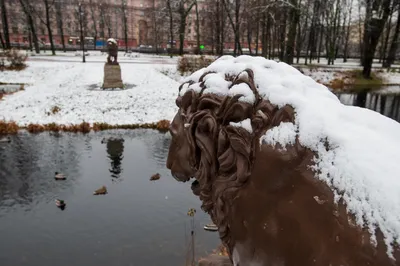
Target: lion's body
[(268, 206), (112, 49)]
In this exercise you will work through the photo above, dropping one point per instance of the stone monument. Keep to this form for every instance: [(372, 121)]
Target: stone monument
[(269, 207), (112, 69)]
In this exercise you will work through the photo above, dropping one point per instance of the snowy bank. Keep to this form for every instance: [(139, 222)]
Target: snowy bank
[(362, 163), (73, 88)]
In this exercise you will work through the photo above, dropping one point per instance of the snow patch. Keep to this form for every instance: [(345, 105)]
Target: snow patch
[(284, 134), (245, 124)]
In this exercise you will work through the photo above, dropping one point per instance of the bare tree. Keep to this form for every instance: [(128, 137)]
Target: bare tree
[(198, 50), (60, 22), (48, 6), (395, 40), (125, 21), (4, 19), (235, 21), (94, 21), (184, 7), (171, 26), (27, 9), (377, 12)]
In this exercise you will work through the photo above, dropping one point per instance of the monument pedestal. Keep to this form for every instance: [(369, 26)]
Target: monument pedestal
[(112, 76)]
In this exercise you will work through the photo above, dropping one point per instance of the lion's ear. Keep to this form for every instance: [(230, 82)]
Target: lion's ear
[(187, 99)]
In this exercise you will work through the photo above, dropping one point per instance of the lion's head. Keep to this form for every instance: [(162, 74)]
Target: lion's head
[(215, 135)]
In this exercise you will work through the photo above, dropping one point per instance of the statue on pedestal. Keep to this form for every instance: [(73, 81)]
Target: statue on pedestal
[(112, 69)]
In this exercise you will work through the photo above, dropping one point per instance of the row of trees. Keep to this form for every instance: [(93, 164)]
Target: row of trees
[(294, 29), (284, 29)]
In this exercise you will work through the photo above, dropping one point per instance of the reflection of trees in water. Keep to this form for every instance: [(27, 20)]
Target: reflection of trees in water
[(115, 150), (361, 98), (28, 163), (386, 104)]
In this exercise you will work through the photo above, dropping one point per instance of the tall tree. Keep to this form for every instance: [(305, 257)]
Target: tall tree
[(377, 12), (125, 21), (171, 26), (235, 21), (60, 22), (27, 9), (184, 7), (197, 27), (294, 16), (48, 6), (395, 41), (4, 19), (94, 21)]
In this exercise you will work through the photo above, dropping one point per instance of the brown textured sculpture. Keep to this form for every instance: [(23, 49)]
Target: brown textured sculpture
[(112, 48), (268, 206)]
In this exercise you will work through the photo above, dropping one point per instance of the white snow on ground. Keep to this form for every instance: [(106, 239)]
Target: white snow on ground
[(66, 85), (362, 163)]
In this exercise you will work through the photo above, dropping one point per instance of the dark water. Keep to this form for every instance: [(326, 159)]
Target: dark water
[(137, 223), (387, 104)]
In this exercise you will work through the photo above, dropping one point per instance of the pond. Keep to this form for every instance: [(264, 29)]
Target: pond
[(138, 222), (384, 101)]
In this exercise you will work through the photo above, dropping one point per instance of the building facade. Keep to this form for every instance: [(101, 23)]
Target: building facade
[(132, 22)]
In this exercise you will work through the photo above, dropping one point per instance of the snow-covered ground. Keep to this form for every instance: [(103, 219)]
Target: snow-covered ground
[(362, 163), (69, 86)]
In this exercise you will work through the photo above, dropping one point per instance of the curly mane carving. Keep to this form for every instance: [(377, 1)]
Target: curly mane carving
[(224, 153), (269, 206)]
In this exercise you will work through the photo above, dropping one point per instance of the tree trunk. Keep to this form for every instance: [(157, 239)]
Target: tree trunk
[(197, 28), (393, 47), (346, 40), (28, 12), (2, 41), (294, 17), (264, 40), (382, 56), (125, 29), (283, 38), (171, 26), (48, 25), (257, 33), (249, 36), (182, 28), (373, 30), (94, 20), (5, 25), (155, 26), (218, 27), (30, 41), (321, 34), (60, 24)]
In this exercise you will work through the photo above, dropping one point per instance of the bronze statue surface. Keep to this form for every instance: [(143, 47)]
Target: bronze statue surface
[(112, 48), (266, 200)]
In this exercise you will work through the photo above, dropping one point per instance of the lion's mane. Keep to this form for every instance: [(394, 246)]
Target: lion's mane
[(223, 154)]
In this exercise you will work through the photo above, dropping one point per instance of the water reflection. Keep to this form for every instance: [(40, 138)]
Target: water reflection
[(148, 218), (115, 151), (385, 104), (27, 167)]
